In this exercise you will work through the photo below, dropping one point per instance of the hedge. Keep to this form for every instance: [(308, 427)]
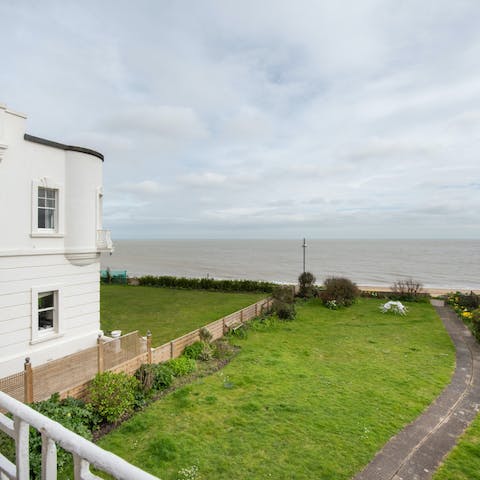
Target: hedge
[(206, 284)]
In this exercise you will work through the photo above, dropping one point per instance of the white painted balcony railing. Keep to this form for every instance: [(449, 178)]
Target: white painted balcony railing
[(84, 452), (104, 241)]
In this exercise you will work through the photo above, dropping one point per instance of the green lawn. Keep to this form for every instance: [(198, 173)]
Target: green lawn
[(167, 313), (463, 463), (312, 398)]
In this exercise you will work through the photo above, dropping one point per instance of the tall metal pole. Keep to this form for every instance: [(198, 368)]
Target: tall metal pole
[(304, 246)]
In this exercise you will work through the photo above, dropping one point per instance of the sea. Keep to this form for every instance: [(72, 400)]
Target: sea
[(445, 264)]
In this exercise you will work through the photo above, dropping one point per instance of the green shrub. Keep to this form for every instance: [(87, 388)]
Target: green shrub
[(284, 294), (163, 376), (283, 302), (341, 290), (72, 414), (113, 395), (284, 311), (475, 322), (306, 283), (154, 377), (199, 351), (194, 350), (206, 284), (181, 366), (470, 301)]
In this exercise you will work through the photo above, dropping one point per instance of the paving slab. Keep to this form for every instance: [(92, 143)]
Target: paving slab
[(417, 451)]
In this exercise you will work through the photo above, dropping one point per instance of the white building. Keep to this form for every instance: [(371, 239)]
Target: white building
[(50, 242)]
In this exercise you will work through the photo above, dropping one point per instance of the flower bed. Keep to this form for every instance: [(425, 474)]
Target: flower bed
[(467, 308)]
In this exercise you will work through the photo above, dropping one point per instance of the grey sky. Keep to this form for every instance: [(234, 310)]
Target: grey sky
[(338, 119)]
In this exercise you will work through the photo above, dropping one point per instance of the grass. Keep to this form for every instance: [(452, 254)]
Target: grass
[(312, 398), (168, 313), (463, 462)]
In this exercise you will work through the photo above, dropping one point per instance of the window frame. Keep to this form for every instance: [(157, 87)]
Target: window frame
[(47, 208), (58, 230), (40, 335)]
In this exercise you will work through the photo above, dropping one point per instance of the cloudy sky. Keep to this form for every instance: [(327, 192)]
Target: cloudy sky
[(271, 119)]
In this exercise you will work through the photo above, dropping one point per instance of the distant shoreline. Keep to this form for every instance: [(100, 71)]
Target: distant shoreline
[(439, 265), (368, 288)]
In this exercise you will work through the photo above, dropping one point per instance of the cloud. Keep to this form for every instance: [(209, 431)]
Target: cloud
[(247, 118), (232, 181), (143, 188), (384, 148), (206, 179), (248, 125), (169, 122)]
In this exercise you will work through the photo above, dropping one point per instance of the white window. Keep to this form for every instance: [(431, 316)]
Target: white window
[(47, 208), (46, 310)]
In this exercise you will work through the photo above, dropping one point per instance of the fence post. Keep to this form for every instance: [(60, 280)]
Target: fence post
[(241, 316), (28, 381), (100, 354), (224, 329), (149, 346), (171, 349), (256, 309)]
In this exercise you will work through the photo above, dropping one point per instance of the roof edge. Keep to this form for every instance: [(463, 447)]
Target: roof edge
[(72, 148)]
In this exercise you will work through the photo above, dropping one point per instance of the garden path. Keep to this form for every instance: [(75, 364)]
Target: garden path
[(417, 451)]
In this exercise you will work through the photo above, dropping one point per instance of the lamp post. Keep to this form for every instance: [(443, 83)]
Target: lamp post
[(304, 246)]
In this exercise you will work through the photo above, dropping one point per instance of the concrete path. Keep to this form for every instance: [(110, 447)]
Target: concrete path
[(417, 451)]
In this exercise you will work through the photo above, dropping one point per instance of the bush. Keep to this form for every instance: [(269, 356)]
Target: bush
[(194, 350), (113, 395), (206, 284), (284, 294), (153, 377), (181, 366), (285, 311), (470, 301), (72, 414), (407, 290), (341, 290), (306, 283), (163, 376), (475, 321), (283, 302)]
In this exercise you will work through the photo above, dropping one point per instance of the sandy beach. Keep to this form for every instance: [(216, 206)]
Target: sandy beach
[(431, 291)]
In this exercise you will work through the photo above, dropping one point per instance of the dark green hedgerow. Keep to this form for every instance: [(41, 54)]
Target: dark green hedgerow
[(206, 284)]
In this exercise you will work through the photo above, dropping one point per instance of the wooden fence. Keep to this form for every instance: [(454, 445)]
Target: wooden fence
[(71, 375)]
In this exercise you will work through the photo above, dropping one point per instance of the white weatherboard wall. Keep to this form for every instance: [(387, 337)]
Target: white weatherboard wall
[(34, 260)]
